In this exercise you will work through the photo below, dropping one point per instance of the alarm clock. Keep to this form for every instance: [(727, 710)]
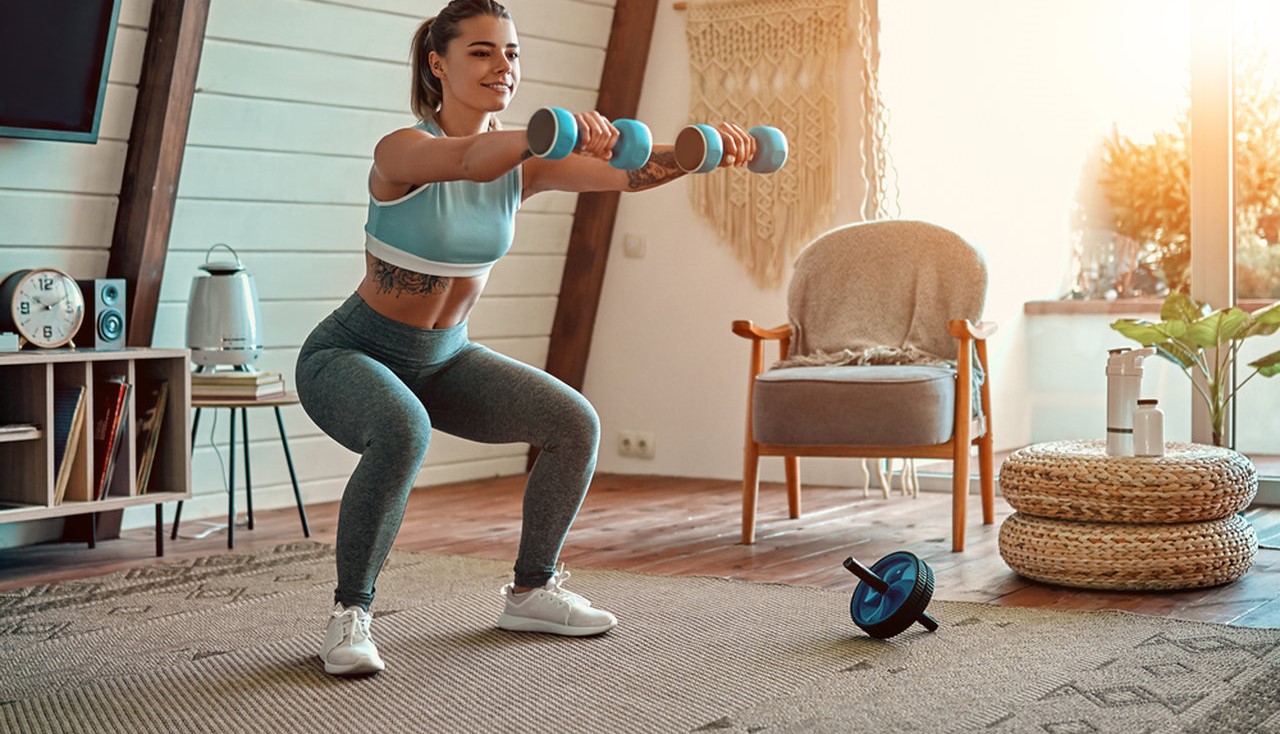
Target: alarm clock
[(43, 305)]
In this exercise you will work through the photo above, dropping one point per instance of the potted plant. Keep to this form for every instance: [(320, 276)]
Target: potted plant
[(1193, 337)]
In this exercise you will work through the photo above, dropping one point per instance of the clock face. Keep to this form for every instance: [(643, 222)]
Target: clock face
[(47, 307)]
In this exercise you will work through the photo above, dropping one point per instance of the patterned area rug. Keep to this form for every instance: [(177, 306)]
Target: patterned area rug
[(227, 644)]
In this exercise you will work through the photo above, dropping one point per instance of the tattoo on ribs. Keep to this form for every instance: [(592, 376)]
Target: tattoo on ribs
[(397, 280), (660, 169)]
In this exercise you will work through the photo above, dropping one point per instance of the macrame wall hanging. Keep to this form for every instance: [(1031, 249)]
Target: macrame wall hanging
[(879, 177), (769, 62)]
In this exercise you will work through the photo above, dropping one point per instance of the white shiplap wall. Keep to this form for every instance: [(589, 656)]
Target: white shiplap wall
[(291, 97), (58, 200)]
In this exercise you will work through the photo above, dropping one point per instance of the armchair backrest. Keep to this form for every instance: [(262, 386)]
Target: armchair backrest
[(884, 283)]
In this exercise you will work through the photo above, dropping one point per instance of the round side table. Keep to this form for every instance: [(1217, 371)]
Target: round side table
[(1089, 520), (241, 406)]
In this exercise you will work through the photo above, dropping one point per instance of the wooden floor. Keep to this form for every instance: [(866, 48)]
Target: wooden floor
[(675, 526)]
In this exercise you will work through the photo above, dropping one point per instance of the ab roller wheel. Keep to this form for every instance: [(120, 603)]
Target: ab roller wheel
[(699, 149), (892, 595), (553, 134)]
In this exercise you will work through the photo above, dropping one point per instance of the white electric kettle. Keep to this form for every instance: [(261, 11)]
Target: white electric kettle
[(224, 321)]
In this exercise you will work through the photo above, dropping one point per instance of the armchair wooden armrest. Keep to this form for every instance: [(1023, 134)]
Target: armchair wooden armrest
[(758, 336), (966, 329), (748, 330)]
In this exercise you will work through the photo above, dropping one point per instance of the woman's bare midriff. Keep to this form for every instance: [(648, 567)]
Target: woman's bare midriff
[(424, 301)]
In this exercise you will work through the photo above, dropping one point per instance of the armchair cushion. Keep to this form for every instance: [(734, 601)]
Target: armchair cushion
[(875, 405)]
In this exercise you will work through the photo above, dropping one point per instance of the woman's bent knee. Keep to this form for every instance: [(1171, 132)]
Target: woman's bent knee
[(574, 424)]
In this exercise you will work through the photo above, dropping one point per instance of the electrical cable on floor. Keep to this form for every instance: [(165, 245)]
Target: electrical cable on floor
[(214, 527), (213, 444)]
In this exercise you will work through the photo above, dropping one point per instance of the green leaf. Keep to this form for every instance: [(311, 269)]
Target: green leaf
[(1217, 328), (1147, 333), (1268, 365), (1176, 353), (1165, 337), (1179, 306), (1263, 322)]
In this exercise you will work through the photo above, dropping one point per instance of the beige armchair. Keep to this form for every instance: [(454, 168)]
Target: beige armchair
[(878, 360)]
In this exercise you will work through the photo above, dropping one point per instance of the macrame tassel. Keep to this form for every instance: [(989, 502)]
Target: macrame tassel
[(769, 62)]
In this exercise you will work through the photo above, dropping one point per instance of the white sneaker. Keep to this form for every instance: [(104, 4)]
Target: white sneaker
[(553, 609), (348, 645)]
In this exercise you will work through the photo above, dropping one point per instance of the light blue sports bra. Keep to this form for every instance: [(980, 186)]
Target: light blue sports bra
[(448, 228)]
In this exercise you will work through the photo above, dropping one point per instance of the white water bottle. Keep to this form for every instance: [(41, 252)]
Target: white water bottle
[(1124, 382), (1148, 429)]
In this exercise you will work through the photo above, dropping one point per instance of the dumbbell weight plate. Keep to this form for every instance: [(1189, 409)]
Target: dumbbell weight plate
[(771, 149), (552, 133), (699, 148), (910, 583), (634, 145)]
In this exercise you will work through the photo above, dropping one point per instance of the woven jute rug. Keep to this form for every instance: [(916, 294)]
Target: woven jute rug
[(227, 644)]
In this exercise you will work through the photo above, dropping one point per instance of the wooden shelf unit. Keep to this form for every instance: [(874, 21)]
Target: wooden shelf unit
[(28, 476)]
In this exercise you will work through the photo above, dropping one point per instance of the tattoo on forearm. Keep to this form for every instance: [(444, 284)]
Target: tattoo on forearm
[(660, 169), (396, 280)]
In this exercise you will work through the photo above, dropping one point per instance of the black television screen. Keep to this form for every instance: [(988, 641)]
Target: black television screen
[(54, 58)]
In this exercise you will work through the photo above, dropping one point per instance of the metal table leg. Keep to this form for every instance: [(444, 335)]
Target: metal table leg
[(293, 477), (177, 516), (159, 529), (231, 486), (248, 476)]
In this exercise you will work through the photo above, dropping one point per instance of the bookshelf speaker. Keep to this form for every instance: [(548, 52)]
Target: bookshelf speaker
[(103, 326)]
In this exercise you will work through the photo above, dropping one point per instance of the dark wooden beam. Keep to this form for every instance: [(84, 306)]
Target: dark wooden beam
[(620, 84), (175, 36)]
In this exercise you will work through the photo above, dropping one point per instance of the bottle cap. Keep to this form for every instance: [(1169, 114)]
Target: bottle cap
[(1148, 401)]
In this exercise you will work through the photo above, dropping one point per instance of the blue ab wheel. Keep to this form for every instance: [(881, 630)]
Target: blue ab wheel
[(771, 149), (634, 145), (699, 149), (552, 133), (893, 594)]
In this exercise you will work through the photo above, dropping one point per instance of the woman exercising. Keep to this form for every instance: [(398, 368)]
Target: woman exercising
[(394, 362)]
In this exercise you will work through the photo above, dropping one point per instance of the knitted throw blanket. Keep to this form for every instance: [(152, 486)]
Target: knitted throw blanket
[(769, 62), (870, 355), (881, 293)]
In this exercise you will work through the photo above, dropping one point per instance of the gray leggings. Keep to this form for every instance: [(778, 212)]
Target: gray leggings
[(378, 387)]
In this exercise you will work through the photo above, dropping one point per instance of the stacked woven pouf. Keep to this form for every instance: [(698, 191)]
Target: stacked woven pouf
[(1089, 520)]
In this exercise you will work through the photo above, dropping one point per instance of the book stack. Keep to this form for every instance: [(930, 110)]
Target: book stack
[(153, 401), (68, 424), (111, 398), (236, 385)]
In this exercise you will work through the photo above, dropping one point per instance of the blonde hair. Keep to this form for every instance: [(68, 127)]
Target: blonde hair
[(435, 34)]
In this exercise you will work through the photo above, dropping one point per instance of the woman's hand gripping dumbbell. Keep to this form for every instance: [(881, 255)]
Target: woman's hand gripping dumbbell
[(702, 148), (555, 133)]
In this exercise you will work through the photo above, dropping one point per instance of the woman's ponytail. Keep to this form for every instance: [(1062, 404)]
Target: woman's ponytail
[(425, 96)]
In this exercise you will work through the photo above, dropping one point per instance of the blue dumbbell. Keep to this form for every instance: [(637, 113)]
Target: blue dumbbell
[(699, 149), (553, 134)]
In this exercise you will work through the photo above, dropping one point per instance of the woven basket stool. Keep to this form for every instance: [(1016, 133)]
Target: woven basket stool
[(1094, 521), (1128, 556), (1076, 480)]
